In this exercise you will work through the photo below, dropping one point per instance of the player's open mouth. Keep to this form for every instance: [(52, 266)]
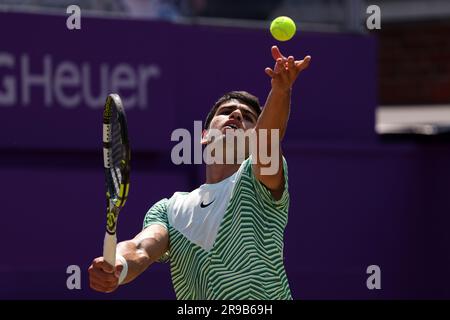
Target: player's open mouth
[(230, 126)]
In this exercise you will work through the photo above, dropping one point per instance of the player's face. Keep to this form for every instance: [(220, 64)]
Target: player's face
[(233, 115)]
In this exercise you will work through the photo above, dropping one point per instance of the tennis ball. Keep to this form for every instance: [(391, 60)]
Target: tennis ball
[(282, 28)]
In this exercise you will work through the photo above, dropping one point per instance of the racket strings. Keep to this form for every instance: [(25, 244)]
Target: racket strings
[(117, 154)]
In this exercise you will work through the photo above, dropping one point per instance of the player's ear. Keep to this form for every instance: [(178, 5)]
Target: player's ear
[(204, 137)]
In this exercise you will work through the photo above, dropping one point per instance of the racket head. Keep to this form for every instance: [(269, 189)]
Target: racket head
[(116, 158)]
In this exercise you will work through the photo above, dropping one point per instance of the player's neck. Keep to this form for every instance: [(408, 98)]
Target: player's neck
[(218, 172)]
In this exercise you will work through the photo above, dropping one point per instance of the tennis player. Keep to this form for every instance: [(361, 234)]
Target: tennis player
[(224, 240)]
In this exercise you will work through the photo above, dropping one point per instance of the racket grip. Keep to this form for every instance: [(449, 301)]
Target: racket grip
[(109, 248)]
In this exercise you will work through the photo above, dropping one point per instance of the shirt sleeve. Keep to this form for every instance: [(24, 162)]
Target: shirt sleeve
[(264, 194), (157, 214)]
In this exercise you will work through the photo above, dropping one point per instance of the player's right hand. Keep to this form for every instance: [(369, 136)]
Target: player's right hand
[(102, 276)]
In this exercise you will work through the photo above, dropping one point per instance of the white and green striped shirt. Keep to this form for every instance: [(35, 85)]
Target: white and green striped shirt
[(226, 239)]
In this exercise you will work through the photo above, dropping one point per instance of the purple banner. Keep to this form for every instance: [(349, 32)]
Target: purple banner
[(356, 201), (54, 81)]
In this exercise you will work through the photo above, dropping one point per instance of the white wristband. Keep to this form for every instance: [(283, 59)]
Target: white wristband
[(123, 273)]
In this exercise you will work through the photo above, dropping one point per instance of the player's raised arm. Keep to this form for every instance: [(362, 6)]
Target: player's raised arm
[(139, 253), (275, 114)]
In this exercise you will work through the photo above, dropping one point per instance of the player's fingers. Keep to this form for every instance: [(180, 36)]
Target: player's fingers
[(269, 72), (118, 271), (291, 63), (103, 277), (96, 263), (303, 64), (100, 263), (101, 286), (100, 273), (106, 284), (97, 286), (103, 282), (279, 66), (105, 266), (276, 53)]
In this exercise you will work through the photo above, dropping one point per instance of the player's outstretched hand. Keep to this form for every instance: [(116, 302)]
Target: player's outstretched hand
[(102, 276), (286, 70)]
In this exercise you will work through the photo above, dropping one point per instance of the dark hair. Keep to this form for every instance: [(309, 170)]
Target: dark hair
[(242, 96)]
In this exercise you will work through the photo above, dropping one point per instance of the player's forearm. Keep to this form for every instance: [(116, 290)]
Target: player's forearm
[(275, 114), (147, 247), (273, 117), (137, 258)]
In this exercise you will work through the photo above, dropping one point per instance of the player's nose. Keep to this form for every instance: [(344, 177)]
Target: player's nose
[(237, 115)]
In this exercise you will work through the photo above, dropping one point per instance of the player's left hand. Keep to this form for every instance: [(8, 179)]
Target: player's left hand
[(286, 70)]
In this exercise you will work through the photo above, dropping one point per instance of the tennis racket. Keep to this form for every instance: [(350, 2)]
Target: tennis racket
[(116, 159)]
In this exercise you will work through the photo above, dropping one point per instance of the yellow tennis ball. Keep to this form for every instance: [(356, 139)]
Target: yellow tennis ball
[(283, 28)]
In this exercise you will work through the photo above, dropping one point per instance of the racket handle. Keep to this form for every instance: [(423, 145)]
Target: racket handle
[(109, 248)]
